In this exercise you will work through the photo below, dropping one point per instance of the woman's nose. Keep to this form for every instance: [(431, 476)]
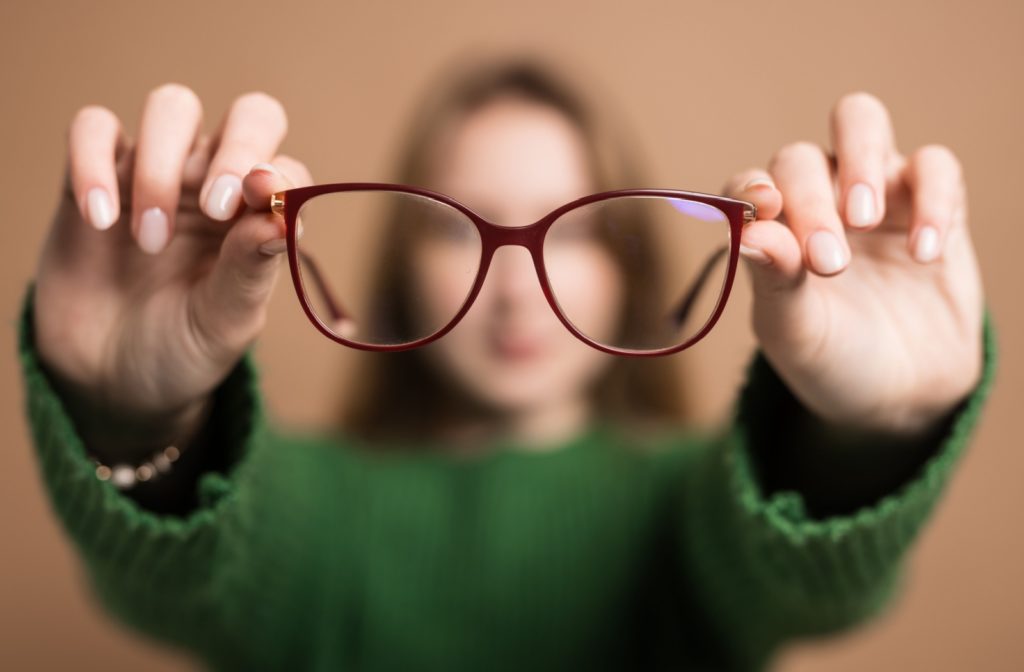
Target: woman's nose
[(512, 275)]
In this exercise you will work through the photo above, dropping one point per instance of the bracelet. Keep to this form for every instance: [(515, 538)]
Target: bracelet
[(124, 476)]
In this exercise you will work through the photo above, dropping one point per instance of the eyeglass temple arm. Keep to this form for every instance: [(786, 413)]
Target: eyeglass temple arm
[(680, 314), (277, 206), (318, 279)]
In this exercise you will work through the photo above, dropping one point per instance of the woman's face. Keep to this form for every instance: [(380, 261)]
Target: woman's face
[(513, 161)]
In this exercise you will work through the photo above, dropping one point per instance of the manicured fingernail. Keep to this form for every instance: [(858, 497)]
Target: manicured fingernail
[(153, 230), (927, 246), (825, 252), (860, 205), (265, 167), (755, 255), (758, 182), (275, 246), (222, 201), (101, 210)]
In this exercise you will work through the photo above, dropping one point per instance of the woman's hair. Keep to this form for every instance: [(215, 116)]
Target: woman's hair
[(399, 394)]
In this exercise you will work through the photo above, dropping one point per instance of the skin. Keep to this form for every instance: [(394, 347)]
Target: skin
[(890, 341), (513, 162), (136, 340)]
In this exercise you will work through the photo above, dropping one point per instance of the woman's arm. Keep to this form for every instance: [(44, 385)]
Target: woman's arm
[(159, 566), (875, 353), (792, 526)]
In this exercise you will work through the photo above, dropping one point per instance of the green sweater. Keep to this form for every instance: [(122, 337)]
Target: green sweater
[(695, 550)]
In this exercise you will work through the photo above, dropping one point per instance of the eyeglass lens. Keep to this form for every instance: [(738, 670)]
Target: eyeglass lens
[(632, 272)]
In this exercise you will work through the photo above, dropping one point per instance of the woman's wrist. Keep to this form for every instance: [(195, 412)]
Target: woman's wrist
[(137, 453), (114, 435)]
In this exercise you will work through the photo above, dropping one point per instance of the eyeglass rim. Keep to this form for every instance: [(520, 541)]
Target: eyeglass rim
[(289, 202)]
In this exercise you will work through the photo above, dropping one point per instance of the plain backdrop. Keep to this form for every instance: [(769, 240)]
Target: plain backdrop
[(709, 88)]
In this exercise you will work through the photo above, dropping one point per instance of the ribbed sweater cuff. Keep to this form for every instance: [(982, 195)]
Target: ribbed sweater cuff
[(768, 561), (157, 572)]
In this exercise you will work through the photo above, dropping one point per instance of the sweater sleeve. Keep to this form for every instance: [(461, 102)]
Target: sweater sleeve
[(162, 575), (793, 529)]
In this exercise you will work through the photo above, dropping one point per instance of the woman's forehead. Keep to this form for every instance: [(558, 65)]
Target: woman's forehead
[(513, 149)]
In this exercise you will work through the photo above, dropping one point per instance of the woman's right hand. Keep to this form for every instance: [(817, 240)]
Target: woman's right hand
[(160, 261)]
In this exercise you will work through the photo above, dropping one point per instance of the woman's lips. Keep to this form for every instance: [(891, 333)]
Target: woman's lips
[(515, 347)]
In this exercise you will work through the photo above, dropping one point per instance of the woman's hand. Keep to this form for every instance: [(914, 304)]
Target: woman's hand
[(154, 280), (867, 301)]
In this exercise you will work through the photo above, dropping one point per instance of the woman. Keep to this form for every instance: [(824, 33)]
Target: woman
[(565, 541)]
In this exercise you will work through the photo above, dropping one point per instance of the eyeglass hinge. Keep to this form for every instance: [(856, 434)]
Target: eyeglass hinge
[(749, 214), (277, 203)]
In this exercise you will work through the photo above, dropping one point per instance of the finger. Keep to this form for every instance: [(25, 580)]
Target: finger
[(756, 186), (265, 179), (268, 178), (862, 140), (167, 132), (802, 173), (935, 178), (773, 255), (95, 140), (251, 132), (196, 165), (231, 302)]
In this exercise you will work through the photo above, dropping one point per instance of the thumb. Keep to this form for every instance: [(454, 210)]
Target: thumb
[(231, 301), (773, 256), (782, 300), (771, 251)]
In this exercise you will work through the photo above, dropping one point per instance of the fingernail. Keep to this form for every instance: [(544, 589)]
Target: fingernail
[(222, 201), (275, 246), (860, 205), (825, 252), (755, 255), (101, 210), (265, 167), (927, 246), (758, 182), (153, 231)]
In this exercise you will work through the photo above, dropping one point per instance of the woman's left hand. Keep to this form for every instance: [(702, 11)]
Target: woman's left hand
[(867, 301)]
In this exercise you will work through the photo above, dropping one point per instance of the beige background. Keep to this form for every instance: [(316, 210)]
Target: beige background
[(710, 88)]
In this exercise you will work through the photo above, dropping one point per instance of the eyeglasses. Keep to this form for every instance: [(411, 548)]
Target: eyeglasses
[(633, 272)]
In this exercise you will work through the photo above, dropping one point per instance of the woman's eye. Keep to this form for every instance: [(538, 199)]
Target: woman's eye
[(578, 229), (449, 230)]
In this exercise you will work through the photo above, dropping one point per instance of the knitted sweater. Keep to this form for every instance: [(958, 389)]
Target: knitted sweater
[(696, 549)]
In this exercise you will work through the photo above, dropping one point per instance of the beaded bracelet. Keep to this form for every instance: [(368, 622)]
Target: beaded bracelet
[(124, 476)]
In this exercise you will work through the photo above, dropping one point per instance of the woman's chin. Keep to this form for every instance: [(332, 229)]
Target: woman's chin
[(513, 388)]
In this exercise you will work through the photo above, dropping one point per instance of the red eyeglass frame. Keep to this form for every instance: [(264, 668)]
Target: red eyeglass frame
[(289, 202)]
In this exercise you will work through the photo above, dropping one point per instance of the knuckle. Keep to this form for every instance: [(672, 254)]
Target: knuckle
[(858, 100), (804, 147), (939, 152), (91, 116), (263, 104), (735, 184), (294, 170), (155, 177), (88, 121), (176, 94), (798, 149), (801, 207)]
